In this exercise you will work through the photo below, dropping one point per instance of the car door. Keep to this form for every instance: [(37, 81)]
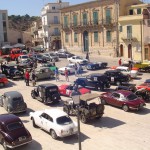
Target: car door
[(114, 99), (49, 123), (43, 120), (69, 90)]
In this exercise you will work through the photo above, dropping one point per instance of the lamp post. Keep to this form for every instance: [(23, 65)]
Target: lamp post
[(76, 99)]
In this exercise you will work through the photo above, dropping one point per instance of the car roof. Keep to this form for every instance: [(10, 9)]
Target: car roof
[(13, 94), (8, 118), (47, 85), (2, 75), (88, 96), (55, 113), (96, 74), (123, 92)]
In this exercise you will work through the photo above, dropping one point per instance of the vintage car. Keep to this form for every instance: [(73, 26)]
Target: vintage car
[(66, 90), (147, 81), (22, 58), (3, 80), (51, 66), (89, 107), (13, 71), (76, 59), (124, 99), (116, 77), (13, 102), (144, 85), (56, 122), (43, 73), (95, 81), (92, 66), (64, 54), (46, 93), (141, 65), (26, 63), (39, 58), (51, 57), (12, 132), (70, 68)]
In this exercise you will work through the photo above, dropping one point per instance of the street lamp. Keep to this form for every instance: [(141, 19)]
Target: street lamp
[(76, 99)]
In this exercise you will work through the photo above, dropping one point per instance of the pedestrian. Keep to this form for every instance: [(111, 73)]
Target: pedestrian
[(27, 77), (87, 56), (33, 78), (78, 68), (66, 74), (56, 74), (130, 65), (75, 68), (120, 62)]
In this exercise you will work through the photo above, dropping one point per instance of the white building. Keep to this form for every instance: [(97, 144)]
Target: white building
[(3, 27), (51, 24)]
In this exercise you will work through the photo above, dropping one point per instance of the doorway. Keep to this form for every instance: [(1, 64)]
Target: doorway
[(129, 51), (121, 50), (85, 41)]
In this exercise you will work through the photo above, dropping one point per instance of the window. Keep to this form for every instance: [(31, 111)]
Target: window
[(139, 11), (131, 12), (129, 32), (75, 37), (4, 25), (95, 17), (5, 37), (4, 16), (120, 29), (108, 36), (75, 20), (56, 20), (66, 38), (116, 95), (84, 19), (108, 16), (95, 36), (65, 21), (53, 8), (56, 31), (146, 53)]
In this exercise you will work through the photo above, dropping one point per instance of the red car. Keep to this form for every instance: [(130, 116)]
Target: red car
[(3, 80), (66, 90), (144, 85), (123, 99)]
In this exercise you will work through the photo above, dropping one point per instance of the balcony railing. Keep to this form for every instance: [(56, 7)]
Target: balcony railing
[(55, 34)]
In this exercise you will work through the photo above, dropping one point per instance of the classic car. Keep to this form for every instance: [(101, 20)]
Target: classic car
[(54, 121), (66, 90), (147, 81), (39, 58), (124, 99), (102, 64), (144, 85), (89, 107), (141, 65), (12, 132), (3, 80), (51, 66), (76, 59), (51, 57), (26, 63), (13, 102), (64, 54), (70, 68), (23, 58), (46, 93), (43, 73), (12, 71), (116, 77), (92, 66), (95, 81)]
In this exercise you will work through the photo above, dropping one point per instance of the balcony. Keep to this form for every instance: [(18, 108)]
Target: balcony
[(108, 22), (129, 39), (55, 34)]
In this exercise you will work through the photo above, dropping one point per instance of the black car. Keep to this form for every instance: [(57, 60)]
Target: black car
[(116, 77), (94, 81), (39, 58), (13, 71), (26, 63), (46, 93), (13, 102), (92, 66), (64, 54)]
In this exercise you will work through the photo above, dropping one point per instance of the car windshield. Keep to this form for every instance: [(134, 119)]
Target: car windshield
[(64, 120), (24, 57), (78, 57), (131, 97), (14, 126), (46, 54)]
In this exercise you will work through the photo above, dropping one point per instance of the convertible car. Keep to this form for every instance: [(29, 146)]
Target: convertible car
[(144, 85)]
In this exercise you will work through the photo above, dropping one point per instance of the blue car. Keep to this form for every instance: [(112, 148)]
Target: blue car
[(92, 66), (147, 81)]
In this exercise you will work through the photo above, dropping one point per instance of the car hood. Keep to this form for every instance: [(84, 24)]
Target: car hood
[(63, 68), (84, 90)]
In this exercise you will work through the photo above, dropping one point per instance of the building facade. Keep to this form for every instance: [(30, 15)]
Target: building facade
[(90, 27), (3, 27), (51, 24)]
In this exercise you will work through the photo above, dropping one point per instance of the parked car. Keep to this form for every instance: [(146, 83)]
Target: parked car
[(126, 100), (43, 73), (144, 85), (39, 58), (13, 102), (51, 57), (26, 63), (54, 121), (116, 77), (12, 132), (46, 93), (141, 65), (95, 81), (22, 58), (3, 80), (13, 71), (76, 59), (64, 54), (89, 107), (147, 81), (66, 90), (102, 64), (51, 66), (70, 68), (92, 66)]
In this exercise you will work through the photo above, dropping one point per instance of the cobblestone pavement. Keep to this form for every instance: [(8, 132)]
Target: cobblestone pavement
[(116, 130)]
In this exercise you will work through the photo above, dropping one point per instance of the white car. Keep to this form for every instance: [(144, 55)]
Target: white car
[(54, 121), (76, 59), (125, 70), (22, 58)]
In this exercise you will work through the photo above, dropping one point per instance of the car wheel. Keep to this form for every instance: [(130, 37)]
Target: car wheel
[(125, 108), (83, 118), (53, 134), (103, 102), (66, 109), (4, 145), (118, 83), (33, 123), (2, 84), (33, 95)]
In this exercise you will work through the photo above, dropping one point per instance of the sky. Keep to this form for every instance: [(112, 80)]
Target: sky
[(30, 7)]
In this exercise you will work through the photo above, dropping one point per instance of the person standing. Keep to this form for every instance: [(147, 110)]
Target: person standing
[(120, 62), (27, 77), (56, 74), (66, 74), (76, 69), (33, 78)]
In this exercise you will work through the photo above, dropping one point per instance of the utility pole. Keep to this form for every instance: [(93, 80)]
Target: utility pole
[(141, 23)]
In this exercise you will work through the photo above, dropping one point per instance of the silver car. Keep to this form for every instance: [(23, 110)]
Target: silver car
[(51, 57)]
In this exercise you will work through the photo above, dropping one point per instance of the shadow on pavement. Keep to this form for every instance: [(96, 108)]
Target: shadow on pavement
[(34, 145), (106, 122), (24, 114), (143, 111)]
